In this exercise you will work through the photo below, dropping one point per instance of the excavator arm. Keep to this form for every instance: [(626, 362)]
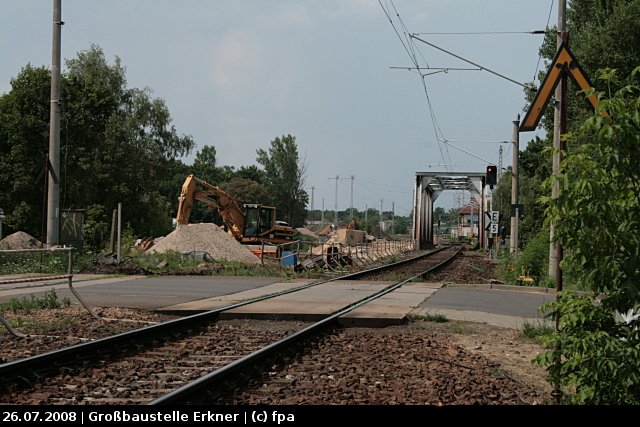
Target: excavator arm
[(196, 189)]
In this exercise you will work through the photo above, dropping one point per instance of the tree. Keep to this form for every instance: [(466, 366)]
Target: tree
[(204, 166), (246, 191), (284, 173), (24, 141), (118, 145), (251, 172), (596, 217)]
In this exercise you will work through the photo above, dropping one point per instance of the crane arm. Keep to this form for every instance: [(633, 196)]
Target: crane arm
[(196, 189)]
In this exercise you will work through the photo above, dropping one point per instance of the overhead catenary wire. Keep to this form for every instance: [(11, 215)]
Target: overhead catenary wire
[(410, 48), (464, 33), (468, 152), (436, 127), (535, 74), (394, 28), (414, 36)]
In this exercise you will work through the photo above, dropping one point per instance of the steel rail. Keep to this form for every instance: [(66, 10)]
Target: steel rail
[(219, 376), (46, 361)]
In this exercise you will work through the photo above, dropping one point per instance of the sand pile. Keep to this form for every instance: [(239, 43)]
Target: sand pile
[(205, 237), (19, 240)]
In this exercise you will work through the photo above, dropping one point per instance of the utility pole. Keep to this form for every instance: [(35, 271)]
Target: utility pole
[(559, 128), (560, 100), (335, 220), (313, 212), (351, 208), (351, 205), (366, 213), (513, 244), (53, 165), (500, 163), (322, 213), (381, 223), (393, 217)]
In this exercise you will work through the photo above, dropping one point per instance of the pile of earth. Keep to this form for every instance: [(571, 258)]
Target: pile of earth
[(205, 237), (19, 240)]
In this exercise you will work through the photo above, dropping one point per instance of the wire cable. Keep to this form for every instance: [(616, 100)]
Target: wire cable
[(546, 28), (410, 48), (464, 33), (471, 62)]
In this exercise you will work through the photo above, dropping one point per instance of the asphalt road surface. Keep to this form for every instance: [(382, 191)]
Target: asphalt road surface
[(497, 301)]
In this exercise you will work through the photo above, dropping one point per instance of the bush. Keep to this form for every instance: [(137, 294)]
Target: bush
[(534, 259), (597, 347), (599, 352)]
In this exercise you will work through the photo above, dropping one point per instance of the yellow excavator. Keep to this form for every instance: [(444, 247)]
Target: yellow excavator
[(253, 224)]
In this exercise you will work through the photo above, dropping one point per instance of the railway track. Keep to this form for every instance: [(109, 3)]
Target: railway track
[(175, 362)]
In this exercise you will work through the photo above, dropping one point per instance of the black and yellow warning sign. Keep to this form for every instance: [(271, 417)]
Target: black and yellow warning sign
[(564, 62)]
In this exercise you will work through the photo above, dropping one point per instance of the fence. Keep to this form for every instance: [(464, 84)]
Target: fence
[(335, 256), (68, 277)]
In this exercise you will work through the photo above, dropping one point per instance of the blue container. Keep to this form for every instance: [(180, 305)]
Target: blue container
[(289, 259)]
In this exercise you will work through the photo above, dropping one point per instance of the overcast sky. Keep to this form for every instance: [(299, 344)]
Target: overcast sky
[(235, 74)]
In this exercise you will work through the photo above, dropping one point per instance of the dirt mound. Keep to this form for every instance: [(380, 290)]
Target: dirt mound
[(205, 237), (19, 240)]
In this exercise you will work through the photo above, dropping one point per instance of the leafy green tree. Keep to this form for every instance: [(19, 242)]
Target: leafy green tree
[(117, 145), (246, 191), (252, 172), (204, 166), (596, 217), (285, 174), (24, 141)]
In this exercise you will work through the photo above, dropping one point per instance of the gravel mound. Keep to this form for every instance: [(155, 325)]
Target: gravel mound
[(205, 237), (19, 240)]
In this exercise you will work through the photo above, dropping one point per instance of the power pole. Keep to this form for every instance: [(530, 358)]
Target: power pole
[(500, 163), (381, 223), (351, 205), (335, 220), (366, 212), (559, 128), (393, 217), (514, 187), (557, 131), (53, 165), (351, 208), (313, 211), (322, 213)]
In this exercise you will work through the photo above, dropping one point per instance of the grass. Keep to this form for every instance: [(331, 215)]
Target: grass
[(536, 330), (25, 305), (34, 326), (175, 262), (48, 263), (459, 328), (428, 317), (165, 261)]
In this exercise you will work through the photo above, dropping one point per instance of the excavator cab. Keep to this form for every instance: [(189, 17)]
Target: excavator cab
[(261, 224), (259, 220)]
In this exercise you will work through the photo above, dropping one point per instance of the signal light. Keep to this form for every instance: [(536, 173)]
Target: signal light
[(492, 175)]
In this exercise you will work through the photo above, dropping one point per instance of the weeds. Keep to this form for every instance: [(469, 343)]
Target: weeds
[(460, 328), (428, 317), (34, 326), (536, 330), (25, 305)]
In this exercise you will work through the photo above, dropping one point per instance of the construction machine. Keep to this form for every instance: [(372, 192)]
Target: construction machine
[(253, 224)]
